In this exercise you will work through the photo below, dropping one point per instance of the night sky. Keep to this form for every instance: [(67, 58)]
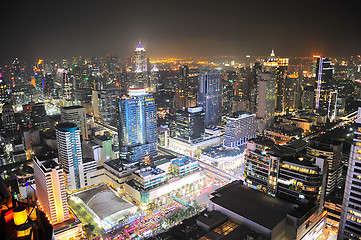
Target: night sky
[(61, 29)]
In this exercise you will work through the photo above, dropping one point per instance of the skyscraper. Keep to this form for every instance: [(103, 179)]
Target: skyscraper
[(154, 79), (324, 75), (182, 91), (350, 222), (140, 67), (50, 190), (75, 114), (70, 154), (137, 126), (209, 97), (189, 124)]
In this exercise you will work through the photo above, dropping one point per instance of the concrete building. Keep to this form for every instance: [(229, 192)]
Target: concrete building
[(350, 222), (239, 129), (270, 216), (331, 150), (76, 114), (50, 190)]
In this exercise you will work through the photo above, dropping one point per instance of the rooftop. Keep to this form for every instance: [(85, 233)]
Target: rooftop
[(72, 107), (220, 151), (254, 205), (182, 161), (103, 201)]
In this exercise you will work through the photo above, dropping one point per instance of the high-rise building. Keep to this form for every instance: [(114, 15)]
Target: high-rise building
[(140, 67), (189, 124), (240, 127), (137, 126), (4, 89), (331, 150), (266, 99), (350, 222), (280, 171), (154, 79), (70, 153), (50, 190), (324, 77), (182, 91), (8, 119), (75, 114), (209, 97)]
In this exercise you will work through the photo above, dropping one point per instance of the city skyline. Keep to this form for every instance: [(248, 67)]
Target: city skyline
[(186, 29)]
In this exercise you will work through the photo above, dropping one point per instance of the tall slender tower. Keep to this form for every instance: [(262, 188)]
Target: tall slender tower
[(140, 67), (350, 222), (209, 97), (324, 75), (70, 154), (50, 190), (137, 126)]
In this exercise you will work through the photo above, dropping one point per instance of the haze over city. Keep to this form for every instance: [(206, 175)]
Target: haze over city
[(179, 29)]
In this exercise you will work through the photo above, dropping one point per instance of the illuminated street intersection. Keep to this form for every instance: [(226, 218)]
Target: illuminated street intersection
[(116, 216)]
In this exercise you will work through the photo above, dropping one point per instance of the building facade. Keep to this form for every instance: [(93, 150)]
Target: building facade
[(189, 124), (350, 222), (70, 153), (76, 114), (239, 129), (50, 190), (209, 97), (137, 126)]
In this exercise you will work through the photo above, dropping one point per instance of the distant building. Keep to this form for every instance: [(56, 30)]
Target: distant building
[(137, 126), (239, 128), (140, 68), (8, 119), (209, 97), (324, 77)]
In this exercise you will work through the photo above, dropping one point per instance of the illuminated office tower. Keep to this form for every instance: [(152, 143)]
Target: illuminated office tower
[(50, 190), (70, 153), (75, 114), (154, 79), (188, 124), (209, 97), (182, 91), (140, 67), (350, 222), (266, 99), (282, 71), (324, 75), (137, 126)]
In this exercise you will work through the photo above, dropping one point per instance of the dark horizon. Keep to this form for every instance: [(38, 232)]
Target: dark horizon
[(53, 31)]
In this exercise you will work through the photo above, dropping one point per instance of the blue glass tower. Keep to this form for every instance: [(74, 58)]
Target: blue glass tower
[(209, 97), (70, 154), (137, 126)]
